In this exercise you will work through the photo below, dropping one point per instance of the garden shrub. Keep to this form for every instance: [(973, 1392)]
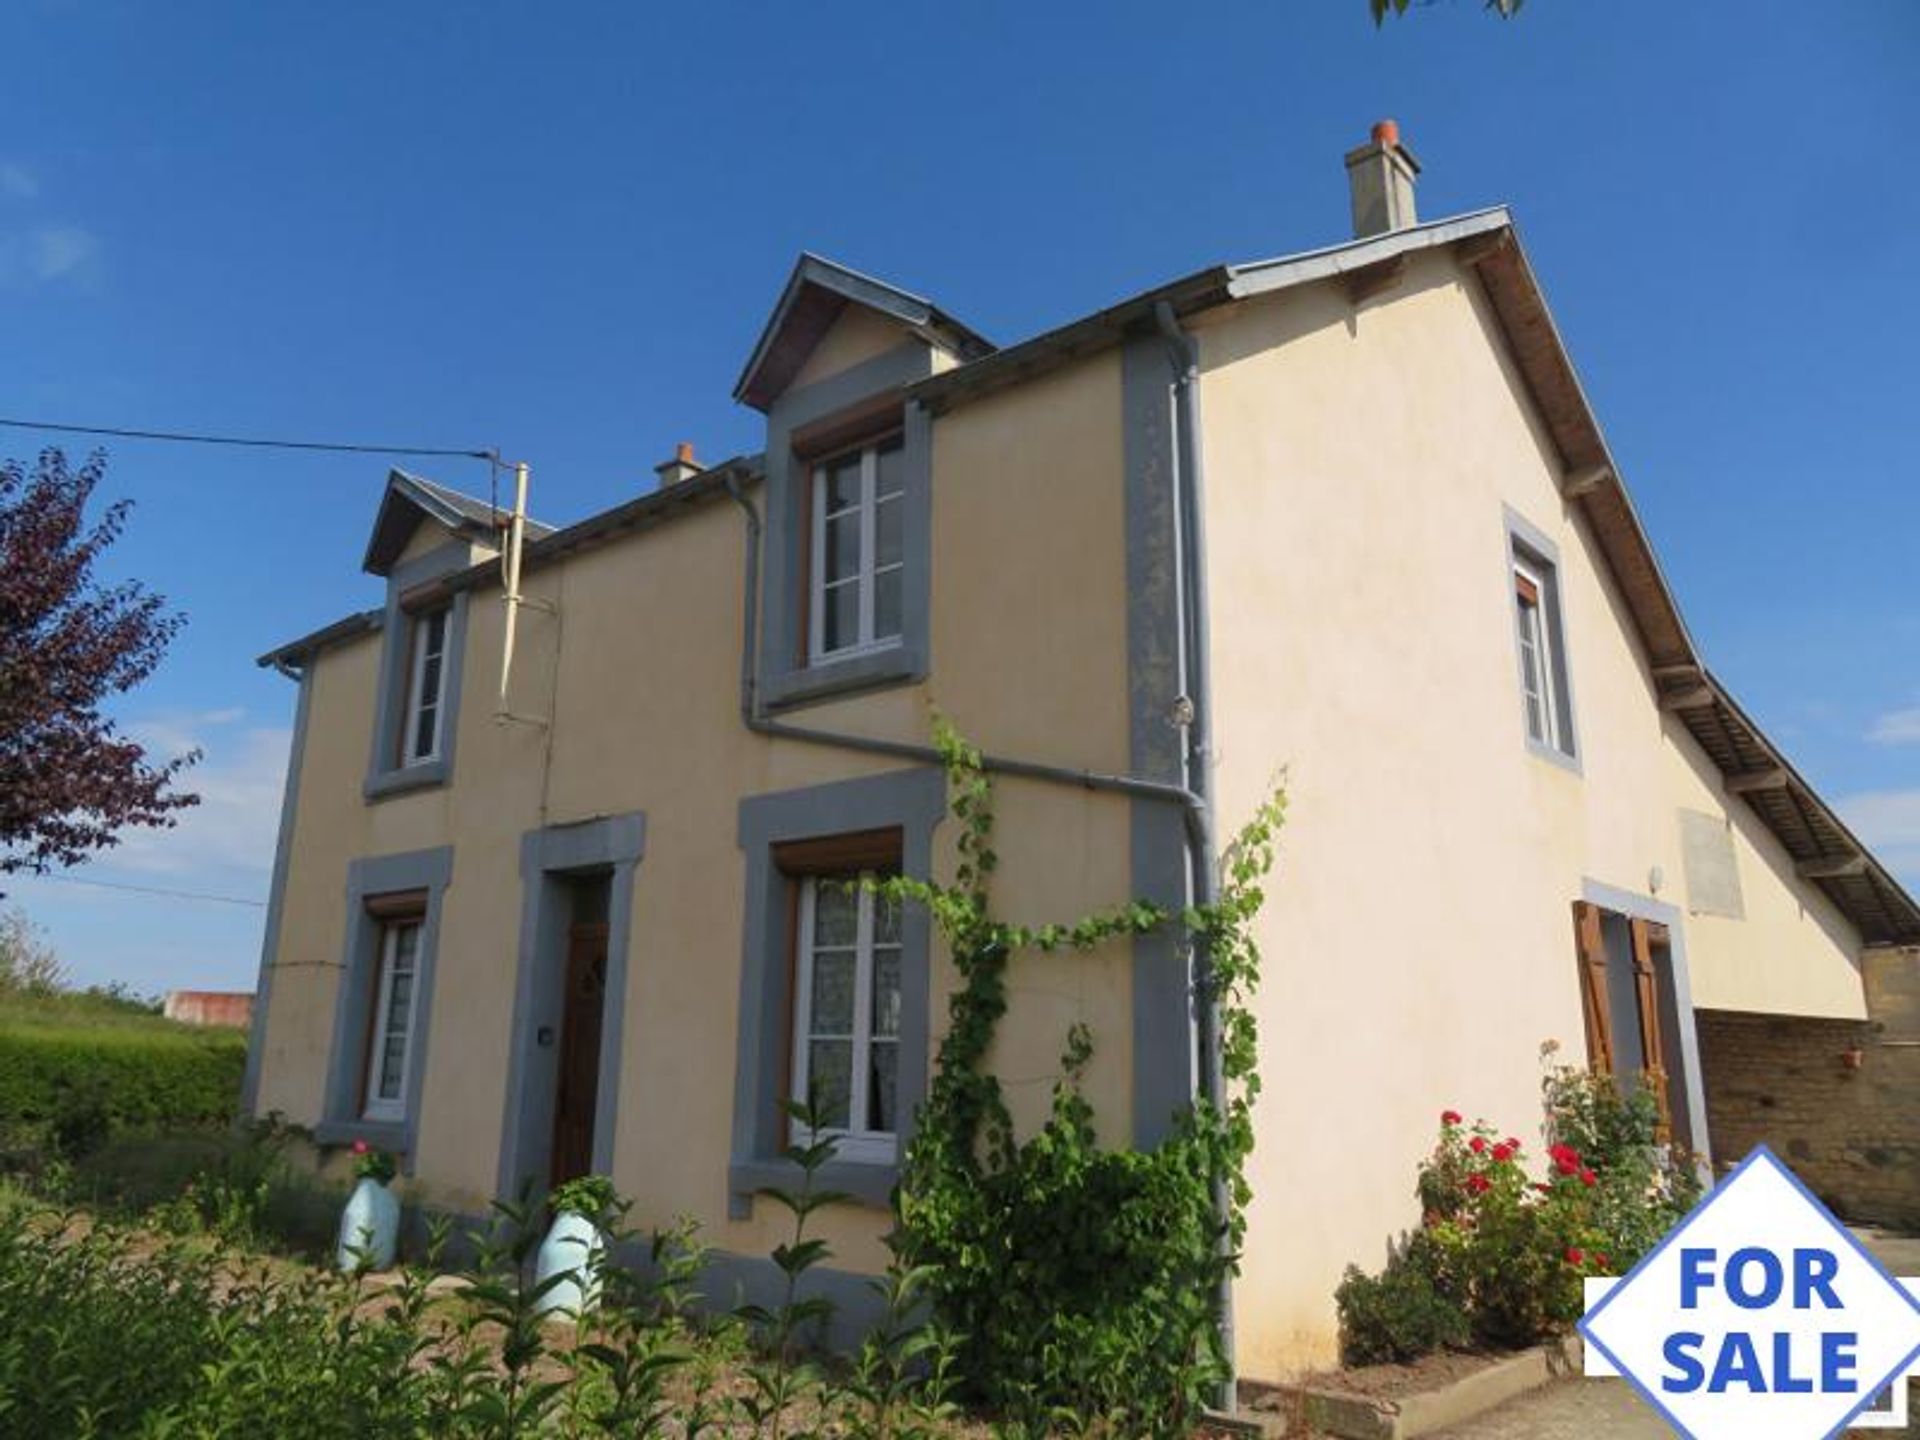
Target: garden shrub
[(1402, 1313), (1509, 1252), (82, 1082)]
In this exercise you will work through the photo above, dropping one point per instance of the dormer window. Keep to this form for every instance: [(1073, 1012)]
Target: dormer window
[(420, 736), (858, 558)]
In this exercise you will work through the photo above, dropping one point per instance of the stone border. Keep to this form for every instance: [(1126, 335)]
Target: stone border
[(1362, 1417)]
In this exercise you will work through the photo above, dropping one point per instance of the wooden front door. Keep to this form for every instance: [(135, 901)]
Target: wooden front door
[(579, 1053)]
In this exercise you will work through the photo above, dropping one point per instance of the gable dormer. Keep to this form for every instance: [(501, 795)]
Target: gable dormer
[(423, 532), (417, 516), (830, 319), (848, 480)]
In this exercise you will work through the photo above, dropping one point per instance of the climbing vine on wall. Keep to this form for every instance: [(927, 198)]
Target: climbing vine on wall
[(1082, 1280)]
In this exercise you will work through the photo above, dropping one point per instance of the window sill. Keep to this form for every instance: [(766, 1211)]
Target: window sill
[(826, 679), (388, 1135), (408, 777), (862, 1183), (1553, 755)]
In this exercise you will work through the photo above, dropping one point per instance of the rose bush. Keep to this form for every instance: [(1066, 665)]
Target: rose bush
[(1504, 1245)]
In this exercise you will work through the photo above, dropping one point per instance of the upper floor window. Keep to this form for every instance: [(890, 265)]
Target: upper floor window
[(1537, 654), (420, 733), (1540, 638), (391, 1043), (858, 560), (846, 1052)]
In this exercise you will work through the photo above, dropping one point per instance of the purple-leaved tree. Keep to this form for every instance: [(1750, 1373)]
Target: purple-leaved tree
[(69, 780)]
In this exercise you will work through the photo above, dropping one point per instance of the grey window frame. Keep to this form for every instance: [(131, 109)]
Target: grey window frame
[(913, 801), (1529, 549), (389, 772), (342, 1119), (873, 392)]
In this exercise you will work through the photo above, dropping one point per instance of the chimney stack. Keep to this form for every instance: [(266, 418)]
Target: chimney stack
[(1382, 174), (681, 467)]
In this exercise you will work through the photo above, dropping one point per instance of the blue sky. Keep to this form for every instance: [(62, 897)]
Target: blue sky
[(557, 229)]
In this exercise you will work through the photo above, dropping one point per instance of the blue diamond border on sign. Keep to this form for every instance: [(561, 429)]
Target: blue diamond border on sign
[(1758, 1154)]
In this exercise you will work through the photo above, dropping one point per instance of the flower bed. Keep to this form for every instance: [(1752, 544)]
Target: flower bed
[(1505, 1243)]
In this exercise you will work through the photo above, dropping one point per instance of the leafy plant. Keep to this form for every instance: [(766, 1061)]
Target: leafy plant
[(1501, 1256), (780, 1376), (591, 1197), (373, 1164), (1078, 1279)]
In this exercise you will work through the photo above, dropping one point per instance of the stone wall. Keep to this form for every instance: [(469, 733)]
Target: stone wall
[(1853, 1134)]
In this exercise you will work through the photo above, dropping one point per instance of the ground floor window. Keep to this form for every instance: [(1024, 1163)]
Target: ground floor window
[(846, 1051), (391, 1041)]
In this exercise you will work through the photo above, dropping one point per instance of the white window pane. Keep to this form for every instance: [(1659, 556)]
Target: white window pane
[(836, 913), (830, 1080), (890, 473), (840, 625), (393, 1064), (843, 546), (886, 992), (843, 483), (886, 605), (883, 1084), (401, 1006), (832, 1002), (425, 727), (887, 520), (406, 944)]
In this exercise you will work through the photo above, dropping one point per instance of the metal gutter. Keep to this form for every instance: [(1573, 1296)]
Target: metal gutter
[(1196, 684)]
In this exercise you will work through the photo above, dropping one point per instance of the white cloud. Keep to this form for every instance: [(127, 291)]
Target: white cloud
[(62, 250), (1897, 727), (17, 182), (229, 836)]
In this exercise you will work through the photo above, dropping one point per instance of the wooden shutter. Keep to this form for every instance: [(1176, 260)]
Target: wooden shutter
[(1591, 947), (1646, 980)]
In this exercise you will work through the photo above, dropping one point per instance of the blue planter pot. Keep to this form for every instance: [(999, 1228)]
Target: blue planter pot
[(571, 1250), (369, 1228)]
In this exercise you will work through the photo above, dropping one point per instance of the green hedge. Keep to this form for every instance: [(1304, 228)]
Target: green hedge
[(138, 1075)]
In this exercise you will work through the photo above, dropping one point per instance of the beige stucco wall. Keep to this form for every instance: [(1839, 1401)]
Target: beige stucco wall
[(1419, 941), (858, 334), (640, 674)]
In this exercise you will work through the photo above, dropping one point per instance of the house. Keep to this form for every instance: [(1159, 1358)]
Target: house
[(1345, 513)]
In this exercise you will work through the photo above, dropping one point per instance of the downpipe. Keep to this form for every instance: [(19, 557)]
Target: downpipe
[(1197, 717)]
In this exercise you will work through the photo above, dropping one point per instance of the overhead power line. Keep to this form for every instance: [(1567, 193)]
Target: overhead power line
[(183, 437), (151, 890)]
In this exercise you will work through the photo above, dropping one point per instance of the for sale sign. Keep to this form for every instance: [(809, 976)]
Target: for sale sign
[(1758, 1317)]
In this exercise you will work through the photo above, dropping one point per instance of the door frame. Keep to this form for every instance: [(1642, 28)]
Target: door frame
[(1645, 907), (551, 858)]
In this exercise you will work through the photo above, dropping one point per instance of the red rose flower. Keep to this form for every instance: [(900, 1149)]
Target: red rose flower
[(359, 1147), (1478, 1184), (1543, 1189), (1576, 1257), (1589, 1179), (1566, 1166), (1513, 1145), (1504, 1153), (1601, 1261), (1449, 1117), (1564, 1155), (1477, 1144)]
